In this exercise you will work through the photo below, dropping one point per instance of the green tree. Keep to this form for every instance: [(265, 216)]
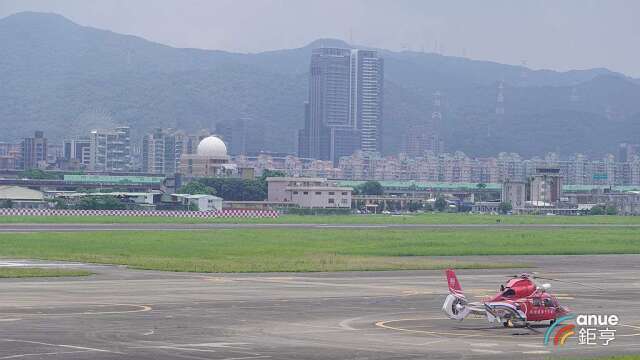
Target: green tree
[(59, 204), (237, 189), (101, 203), (371, 188), (597, 210), (440, 204), (505, 207), (414, 206), (271, 173), (37, 174), (611, 210), (197, 188)]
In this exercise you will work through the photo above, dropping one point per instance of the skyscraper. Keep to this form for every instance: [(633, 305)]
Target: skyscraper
[(110, 150), (34, 151), (344, 111), (161, 151)]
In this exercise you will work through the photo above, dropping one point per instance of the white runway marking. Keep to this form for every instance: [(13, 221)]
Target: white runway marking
[(61, 345), (484, 344), (37, 264), (531, 345), (486, 351), (44, 354), (345, 324)]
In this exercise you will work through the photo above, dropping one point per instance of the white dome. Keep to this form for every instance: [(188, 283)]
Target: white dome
[(212, 146)]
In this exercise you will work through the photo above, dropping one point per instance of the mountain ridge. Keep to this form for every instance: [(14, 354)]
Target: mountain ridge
[(81, 77)]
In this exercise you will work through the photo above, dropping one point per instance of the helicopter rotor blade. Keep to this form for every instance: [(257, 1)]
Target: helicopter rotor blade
[(568, 282)]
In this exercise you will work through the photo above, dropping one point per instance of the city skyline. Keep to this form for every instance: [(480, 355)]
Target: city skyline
[(170, 151)]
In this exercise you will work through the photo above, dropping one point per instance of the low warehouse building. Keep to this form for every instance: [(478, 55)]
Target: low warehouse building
[(308, 192), (18, 197), (199, 202)]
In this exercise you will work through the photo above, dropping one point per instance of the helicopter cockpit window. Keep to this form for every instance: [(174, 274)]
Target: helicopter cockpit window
[(548, 303), (536, 302), (509, 292)]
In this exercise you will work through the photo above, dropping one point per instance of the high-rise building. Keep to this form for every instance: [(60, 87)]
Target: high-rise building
[(10, 156), (545, 186), (161, 151), (34, 151), (344, 111), (110, 150), (303, 134), (77, 150)]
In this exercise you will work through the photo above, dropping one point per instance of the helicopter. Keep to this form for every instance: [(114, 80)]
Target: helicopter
[(519, 302)]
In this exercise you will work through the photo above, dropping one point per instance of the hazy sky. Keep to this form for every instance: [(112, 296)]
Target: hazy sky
[(555, 34)]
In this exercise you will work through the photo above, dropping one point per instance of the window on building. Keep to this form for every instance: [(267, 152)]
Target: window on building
[(332, 201), (344, 193), (331, 193), (318, 193), (344, 201), (295, 193), (305, 193)]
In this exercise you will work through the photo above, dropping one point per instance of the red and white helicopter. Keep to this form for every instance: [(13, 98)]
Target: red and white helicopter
[(519, 302)]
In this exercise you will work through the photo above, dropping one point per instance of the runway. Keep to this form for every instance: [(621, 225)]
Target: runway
[(130, 314), (21, 228)]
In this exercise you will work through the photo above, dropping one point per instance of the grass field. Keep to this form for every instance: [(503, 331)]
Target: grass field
[(615, 357), (268, 250), (435, 218), (25, 272)]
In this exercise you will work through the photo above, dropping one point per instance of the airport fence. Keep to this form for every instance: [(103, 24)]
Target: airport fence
[(227, 213)]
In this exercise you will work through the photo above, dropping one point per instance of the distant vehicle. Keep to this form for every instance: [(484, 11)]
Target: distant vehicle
[(519, 302)]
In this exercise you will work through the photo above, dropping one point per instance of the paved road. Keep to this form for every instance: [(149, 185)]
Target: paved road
[(128, 314), (12, 228)]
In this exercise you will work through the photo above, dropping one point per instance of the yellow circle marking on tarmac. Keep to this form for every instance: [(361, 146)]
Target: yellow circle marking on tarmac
[(140, 308), (385, 324)]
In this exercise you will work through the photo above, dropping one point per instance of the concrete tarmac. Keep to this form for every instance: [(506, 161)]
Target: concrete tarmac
[(18, 228), (130, 314)]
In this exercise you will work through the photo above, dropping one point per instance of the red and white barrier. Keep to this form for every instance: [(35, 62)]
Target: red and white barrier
[(229, 213)]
